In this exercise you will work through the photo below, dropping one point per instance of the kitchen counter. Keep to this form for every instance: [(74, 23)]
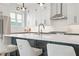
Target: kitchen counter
[(70, 39), (40, 41)]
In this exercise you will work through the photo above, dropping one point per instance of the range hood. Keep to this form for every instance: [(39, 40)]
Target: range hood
[(59, 16)]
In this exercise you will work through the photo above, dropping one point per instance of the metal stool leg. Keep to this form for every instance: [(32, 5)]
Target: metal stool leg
[(8, 54)]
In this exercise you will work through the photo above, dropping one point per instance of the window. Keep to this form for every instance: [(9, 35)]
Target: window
[(12, 15), (17, 19)]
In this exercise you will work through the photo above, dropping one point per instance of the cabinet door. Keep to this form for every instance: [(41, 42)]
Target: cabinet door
[(77, 12), (73, 13)]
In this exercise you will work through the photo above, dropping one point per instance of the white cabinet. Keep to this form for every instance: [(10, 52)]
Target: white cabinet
[(73, 13), (77, 12), (70, 13)]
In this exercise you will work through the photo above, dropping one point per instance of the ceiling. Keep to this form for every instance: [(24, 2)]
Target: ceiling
[(27, 5), (12, 6), (16, 4)]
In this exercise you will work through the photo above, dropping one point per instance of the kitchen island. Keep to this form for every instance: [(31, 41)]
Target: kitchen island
[(40, 41)]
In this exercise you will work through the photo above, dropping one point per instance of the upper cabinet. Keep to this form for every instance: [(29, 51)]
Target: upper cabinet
[(73, 13)]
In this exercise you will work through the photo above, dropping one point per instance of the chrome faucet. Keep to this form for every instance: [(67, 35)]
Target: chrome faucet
[(40, 30)]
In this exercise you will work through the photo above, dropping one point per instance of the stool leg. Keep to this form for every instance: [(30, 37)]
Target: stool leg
[(8, 54), (2, 54)]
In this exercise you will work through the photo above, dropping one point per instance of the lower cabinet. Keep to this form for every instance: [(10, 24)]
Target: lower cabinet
[(43, 45)]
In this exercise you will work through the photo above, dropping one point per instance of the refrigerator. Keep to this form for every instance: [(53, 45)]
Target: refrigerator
[(1, 25), (5, 25)]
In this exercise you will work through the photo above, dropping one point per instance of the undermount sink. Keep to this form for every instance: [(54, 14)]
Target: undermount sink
[(43, 33)]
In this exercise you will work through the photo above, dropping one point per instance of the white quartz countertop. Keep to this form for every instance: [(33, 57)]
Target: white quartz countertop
[(71, 39)]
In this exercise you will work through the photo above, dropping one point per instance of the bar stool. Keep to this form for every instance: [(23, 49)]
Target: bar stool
[(60, 50), (26, 50), (7, 49)]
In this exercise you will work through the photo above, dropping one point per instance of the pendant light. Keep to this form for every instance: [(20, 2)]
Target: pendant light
[(41, 4), (21, 8)]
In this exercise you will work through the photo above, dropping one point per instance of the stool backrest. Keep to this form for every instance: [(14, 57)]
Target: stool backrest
[(24, 48), (60, 50)]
